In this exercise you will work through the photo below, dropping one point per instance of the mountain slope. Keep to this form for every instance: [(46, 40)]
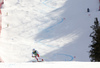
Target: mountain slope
[(59, 30)]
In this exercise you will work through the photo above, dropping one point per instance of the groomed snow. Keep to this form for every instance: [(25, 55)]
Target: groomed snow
[(58, 29)]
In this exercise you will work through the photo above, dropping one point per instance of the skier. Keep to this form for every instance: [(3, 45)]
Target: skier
[(36, 54), (88, 10)]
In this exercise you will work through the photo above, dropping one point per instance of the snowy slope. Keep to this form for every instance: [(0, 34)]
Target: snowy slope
[(59, 30)]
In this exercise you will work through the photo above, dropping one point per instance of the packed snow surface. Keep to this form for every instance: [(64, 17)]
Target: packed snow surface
[(58, 29)]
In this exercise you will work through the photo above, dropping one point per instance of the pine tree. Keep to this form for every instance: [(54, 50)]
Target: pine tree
[(95, 46)]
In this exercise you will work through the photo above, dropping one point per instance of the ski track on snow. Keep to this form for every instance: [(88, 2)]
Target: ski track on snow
[(48, 30), (46, 4), (51, 28), (71, 57)]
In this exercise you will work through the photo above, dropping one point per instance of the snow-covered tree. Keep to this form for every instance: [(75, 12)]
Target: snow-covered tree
[(95, 46)]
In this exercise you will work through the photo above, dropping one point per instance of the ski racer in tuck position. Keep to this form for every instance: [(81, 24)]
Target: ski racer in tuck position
[(36, 55)]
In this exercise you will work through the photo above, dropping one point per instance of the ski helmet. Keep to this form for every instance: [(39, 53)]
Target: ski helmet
[(33, 49)]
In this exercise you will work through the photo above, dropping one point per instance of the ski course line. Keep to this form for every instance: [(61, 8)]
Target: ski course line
[(46, 44), (71, 57), (44, 2), (48, 29)]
